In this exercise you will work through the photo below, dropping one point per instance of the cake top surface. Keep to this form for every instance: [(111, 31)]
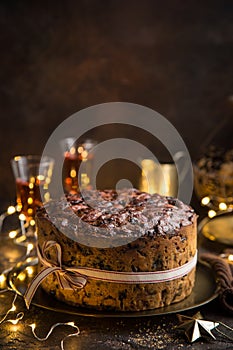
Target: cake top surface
[(121, 213)]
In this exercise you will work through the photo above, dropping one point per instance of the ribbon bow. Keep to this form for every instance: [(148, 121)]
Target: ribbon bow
[(68, 278)]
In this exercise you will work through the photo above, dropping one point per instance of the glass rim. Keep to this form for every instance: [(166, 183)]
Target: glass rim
[(72, 141), (35, 159)]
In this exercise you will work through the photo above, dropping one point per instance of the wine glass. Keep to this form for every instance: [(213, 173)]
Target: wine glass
[(77, 152), (32, 178)]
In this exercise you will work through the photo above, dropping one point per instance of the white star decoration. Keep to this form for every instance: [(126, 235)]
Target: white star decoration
[(194, 325)]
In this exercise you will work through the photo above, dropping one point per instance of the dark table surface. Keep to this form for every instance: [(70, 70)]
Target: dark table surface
[(152, 332)]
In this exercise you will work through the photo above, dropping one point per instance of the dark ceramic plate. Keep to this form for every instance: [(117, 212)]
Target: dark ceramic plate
[(219, 228)]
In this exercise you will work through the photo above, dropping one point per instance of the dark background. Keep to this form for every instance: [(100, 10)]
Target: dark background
[(60, 57)]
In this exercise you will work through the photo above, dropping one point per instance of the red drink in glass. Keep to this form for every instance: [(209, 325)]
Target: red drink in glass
[(73, 179), (70, 172), (32, 177), (28, 197)]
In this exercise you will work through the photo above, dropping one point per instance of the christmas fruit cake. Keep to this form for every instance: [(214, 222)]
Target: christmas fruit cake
[(146, 235)]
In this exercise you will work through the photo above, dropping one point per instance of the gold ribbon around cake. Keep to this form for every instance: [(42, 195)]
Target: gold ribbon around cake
[(76, 278)]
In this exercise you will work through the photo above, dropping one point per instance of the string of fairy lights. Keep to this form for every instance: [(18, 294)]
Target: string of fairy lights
[(20, 316), (12, 315), (212, 212)]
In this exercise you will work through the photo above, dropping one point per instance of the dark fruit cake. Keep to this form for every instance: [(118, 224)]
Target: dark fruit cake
[(144, 233)]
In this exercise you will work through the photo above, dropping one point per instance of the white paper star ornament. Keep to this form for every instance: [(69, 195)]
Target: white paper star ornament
[(195, 326)]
